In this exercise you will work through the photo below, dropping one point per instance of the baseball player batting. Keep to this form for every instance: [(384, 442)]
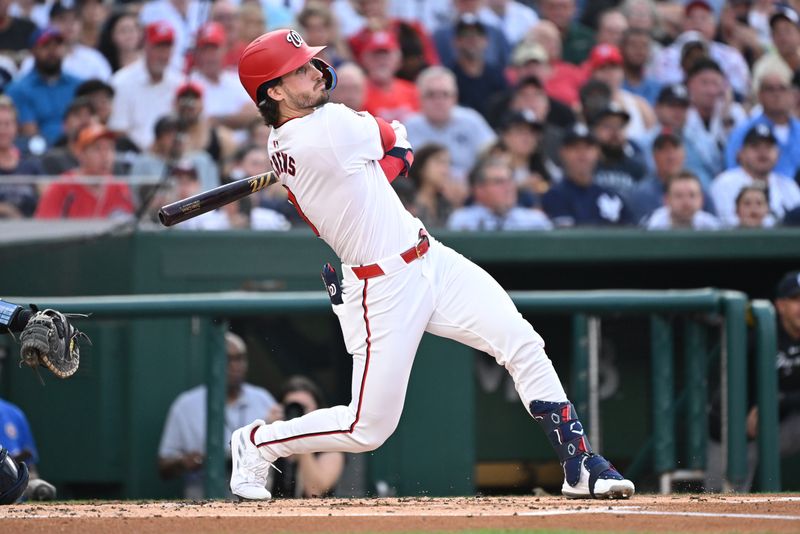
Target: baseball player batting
[(398, 280)]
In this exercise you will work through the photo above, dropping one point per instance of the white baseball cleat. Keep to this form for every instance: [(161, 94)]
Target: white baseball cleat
[(249, 468), (598, 479)]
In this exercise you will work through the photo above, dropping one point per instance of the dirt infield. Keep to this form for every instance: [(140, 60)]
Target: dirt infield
[(650, 513)]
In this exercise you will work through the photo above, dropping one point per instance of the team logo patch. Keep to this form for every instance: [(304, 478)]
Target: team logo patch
[(294, 38)]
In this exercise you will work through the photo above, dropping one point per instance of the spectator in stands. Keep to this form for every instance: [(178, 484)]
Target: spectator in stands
[(699, 23), (303, 475), (169, 147), (92, 14), (595, 97), (577, 40), (63, 156), (462, 130), (417, 50), (669, 155), (712, 113), (16, 200), (351, 86), (319, 29), (784, 25), (42, 95), (225, 102), (683, 206), (495, 202), (752, 207), (787, 360), (605, 64), (102, 196), (183, 16), (757, 160), (120, 39), (621, 165), (513, 17), (81, 61), (775, 94), (477, 81), (577, 200), (498, 49), (562, 79), (15, 32), (435, 191), (520, 138), (636, 46), (611, 26), (387, 96), (181, 452), (145, 89), (201, 133), (252, 23), (738, 34), (225, 13)]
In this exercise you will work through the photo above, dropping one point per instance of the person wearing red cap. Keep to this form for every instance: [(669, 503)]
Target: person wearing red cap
[(202, 133), (145, 89), (605, 65), (387, 95), (183, 16), (225, 102), (102, 197), (414, 42), (337, 165)]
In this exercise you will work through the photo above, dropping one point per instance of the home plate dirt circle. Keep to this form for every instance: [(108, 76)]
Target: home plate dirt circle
[(652, 513)]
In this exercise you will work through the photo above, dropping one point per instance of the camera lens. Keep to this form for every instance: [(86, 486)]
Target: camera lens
[(292, 410)]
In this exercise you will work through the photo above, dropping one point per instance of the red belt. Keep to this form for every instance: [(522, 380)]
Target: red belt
[(417, 251)]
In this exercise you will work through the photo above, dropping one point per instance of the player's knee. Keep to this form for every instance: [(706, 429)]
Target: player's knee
[(372, 434)]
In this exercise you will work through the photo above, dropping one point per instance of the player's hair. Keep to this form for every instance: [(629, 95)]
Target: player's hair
[(683, 176), (267, 107)]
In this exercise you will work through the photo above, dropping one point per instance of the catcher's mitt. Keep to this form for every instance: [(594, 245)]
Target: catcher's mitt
[(50, 340)]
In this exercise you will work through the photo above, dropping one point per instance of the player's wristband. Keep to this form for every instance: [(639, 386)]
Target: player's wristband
[(8, 315)]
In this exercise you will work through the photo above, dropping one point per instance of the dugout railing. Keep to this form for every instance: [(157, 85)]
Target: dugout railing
[(730, 308)]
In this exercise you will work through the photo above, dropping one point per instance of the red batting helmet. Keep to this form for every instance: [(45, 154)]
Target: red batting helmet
[(274, 54)]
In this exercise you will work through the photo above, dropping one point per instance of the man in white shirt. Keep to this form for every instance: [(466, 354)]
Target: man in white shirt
[(224, 99), (145, 90), (514, 18), (757, 160), (182, 449), (462, 130), (683, 206), (495, 206)]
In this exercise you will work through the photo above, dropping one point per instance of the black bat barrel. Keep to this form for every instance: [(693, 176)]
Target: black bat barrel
[(212, 199)]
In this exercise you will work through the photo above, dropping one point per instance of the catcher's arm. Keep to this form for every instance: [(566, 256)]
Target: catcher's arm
[(48, 338)]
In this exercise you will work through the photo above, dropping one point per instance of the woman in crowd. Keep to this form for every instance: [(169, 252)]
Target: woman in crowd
[(121, 39), (436, 192), (752, 208)]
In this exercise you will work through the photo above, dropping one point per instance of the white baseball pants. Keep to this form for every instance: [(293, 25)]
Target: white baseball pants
[(383, 319)]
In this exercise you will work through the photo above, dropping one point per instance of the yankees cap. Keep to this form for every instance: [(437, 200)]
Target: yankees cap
[(789, 286), (760, 132)]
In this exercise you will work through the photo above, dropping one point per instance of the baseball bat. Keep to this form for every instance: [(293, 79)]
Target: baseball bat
[(206, 201)]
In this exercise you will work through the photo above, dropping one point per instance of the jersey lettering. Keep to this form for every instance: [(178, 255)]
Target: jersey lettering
[(283, 163)]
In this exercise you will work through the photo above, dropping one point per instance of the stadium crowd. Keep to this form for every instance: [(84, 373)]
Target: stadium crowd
[(524, 114)]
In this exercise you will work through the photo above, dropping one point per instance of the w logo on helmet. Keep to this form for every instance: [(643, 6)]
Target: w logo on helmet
[(294, 38)]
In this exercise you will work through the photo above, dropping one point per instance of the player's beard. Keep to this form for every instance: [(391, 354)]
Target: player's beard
[(312, 100)]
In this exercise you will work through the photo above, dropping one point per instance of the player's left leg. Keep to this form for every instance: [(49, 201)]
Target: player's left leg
[(473, 309)]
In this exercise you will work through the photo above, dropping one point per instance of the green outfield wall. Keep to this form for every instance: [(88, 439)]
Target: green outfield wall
[(98, 433)]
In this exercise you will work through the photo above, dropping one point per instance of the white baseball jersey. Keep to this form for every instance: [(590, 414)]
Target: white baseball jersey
[(328, 162)]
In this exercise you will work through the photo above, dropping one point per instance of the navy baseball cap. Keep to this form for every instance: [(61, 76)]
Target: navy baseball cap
[(789, 286), (45, 35), (784, 12), (612, 109), (525, 117), (577, 133), (673, 94), (760, 132)]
